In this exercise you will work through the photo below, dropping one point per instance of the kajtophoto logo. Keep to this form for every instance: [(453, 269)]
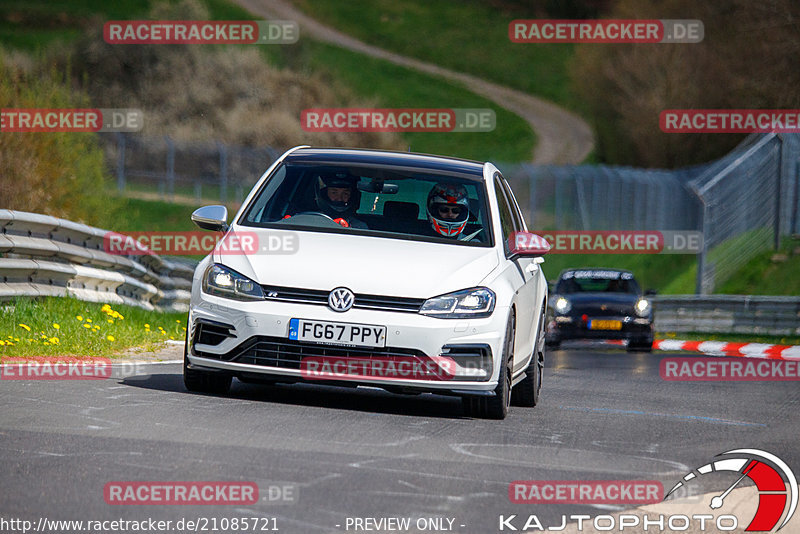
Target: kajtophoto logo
[(775, 482)]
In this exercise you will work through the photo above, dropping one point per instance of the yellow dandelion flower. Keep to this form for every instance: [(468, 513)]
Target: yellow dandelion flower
[(171, 337), (177, 320), (110, 321), (57, 326), (110, 338), (46, 343), (26, 327), (79, 317), (88, 320), (146, 325), (87, 325), (16, 339)]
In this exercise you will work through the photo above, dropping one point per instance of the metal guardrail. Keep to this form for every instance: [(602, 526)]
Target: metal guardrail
[(42, 255), (728, 314)]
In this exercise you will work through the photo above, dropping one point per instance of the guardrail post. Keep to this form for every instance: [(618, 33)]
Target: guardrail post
[(223, 173), (120, 162), (170, 168), (777, 227), (532, 195)]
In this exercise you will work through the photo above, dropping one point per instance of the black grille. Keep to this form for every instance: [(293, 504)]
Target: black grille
[(211, 332), (287, 353), (362, 301)]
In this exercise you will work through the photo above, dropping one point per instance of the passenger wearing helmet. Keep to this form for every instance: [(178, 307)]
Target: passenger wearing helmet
[(338, 197), (448, 209)]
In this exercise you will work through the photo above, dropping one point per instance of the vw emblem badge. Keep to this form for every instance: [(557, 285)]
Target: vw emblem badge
[(341, 299)]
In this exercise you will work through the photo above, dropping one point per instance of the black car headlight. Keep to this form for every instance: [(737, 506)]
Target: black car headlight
[(562, 306), (223, 282), (642, 307), (466, 304)]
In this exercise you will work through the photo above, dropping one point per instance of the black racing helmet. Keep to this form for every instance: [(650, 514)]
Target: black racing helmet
[(336, 179)]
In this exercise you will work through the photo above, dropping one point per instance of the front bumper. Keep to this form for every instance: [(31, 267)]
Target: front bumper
[(251, 339), (562, 328)]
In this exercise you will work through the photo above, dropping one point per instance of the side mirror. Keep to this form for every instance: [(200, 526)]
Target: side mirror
[(214, 218), (527, 245), (650, 293)]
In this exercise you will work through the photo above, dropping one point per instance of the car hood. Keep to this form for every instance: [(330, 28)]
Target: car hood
[(365, 264)]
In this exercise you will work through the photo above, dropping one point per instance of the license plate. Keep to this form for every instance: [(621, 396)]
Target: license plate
[(598, 324), (362, 335)]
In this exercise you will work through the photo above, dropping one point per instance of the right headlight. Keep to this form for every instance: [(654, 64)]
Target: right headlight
[(563, 306), (221, 281), (467, 304), (642, 307)]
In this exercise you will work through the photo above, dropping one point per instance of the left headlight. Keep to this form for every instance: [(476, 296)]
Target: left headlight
[(642, 307), (221, 281), (468, 303)]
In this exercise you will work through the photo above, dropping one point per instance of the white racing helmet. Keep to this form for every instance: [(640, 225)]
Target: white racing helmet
[(451, 198)]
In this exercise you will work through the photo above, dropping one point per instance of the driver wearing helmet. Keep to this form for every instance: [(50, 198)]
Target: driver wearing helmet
[(338, 197), (448, 209)]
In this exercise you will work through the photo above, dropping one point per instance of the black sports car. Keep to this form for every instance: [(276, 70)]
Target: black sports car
[(600, 304)]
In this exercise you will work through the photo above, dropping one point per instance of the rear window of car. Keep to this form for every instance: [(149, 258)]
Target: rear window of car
[(392, 202), (597, 281)]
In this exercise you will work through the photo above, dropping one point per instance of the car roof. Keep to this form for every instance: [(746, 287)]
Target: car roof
[(340, 156)]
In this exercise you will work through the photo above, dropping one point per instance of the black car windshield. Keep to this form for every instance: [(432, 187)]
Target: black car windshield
[(372, 200), (597, 281)]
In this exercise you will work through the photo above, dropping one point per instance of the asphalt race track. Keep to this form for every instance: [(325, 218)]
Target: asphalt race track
[(604, 414)]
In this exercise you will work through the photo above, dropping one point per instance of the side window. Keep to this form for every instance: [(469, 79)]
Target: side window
[(506, 217), (516, 213)]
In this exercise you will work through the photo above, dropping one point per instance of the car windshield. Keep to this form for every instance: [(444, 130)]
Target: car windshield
[(383, 201), (597, 282)]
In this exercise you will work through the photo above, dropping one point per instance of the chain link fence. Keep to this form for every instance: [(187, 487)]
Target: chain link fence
[(742, 203), (174, 170)]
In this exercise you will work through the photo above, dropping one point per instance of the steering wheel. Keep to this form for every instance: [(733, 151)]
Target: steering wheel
[(315, 213)]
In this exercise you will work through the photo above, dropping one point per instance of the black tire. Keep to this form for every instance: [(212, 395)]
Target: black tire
[(203, 381), (526, 392), (640, 346), (496, 407)]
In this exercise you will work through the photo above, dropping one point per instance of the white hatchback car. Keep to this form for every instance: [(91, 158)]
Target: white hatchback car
[(408, 272)]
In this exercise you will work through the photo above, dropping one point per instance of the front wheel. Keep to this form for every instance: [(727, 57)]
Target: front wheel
[(203, 381), (526, 392), (496, 407)]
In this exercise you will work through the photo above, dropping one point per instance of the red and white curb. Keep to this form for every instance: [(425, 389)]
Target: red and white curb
[(724, 348)]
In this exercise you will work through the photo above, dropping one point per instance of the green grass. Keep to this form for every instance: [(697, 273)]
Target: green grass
[(69, 327), (652, 271), (762, 276), (467, 36)]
